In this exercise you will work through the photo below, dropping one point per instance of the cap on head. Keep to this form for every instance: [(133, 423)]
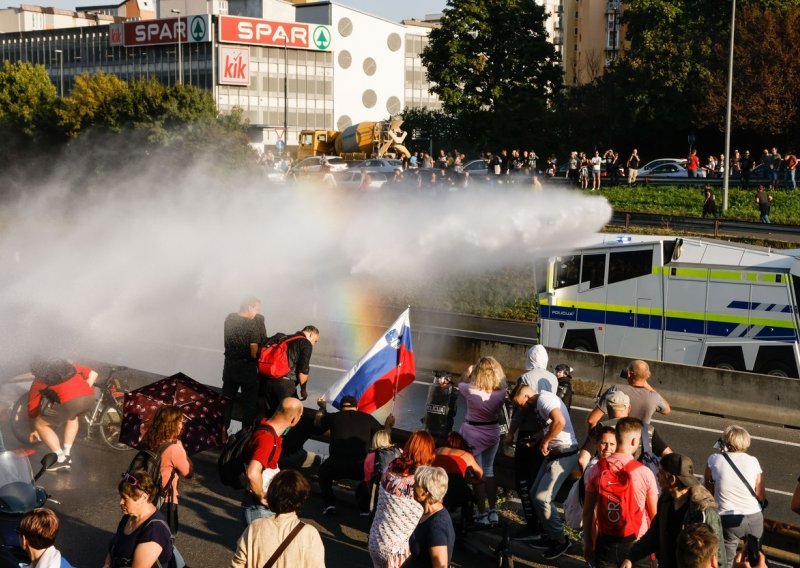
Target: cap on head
[(618, 400), (680, 466), (349, 402)]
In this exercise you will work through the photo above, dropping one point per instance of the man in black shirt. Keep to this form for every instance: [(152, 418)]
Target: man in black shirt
[(244, 332), (350, 440), (299, 347)]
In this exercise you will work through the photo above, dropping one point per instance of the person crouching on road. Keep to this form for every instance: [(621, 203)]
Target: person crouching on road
[(559, 446), (69, 387), (37, 536)]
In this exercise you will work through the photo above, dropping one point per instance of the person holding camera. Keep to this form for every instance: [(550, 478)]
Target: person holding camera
[(736, 479)]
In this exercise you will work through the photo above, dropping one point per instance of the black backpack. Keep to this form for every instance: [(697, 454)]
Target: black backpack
[(234, 456), (150, 462)]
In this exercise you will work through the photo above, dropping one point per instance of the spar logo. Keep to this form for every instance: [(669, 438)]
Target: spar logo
[(234, 63), (198, 28), (322, 37)]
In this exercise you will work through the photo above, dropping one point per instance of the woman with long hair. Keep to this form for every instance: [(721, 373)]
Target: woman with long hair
[(397, 513), (484, 388), (163, 438)]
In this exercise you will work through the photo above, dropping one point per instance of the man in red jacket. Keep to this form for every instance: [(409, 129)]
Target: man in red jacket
[(70, 386)]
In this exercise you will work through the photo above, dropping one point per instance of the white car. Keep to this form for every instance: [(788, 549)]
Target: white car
[(654, 163), (668, 170), (353, 178), (313, 164)]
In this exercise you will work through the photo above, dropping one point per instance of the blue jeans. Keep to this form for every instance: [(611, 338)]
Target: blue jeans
[(790, 180), (765, 218), (552, 475), (254, 512)]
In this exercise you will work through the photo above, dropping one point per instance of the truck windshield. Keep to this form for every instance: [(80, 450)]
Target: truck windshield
[(566, 271), (306, 139)]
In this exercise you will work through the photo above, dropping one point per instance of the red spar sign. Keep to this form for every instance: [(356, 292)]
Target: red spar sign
[(251, 31)]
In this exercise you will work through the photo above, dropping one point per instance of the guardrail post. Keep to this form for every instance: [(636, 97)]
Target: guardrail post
[(716, 228), (627, 220)]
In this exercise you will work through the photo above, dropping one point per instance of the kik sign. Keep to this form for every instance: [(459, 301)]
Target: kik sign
[(190, 29), (294, 35), (234, 65)]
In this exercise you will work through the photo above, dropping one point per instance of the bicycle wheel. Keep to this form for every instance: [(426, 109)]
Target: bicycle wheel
[(19, 419), (110, 426)]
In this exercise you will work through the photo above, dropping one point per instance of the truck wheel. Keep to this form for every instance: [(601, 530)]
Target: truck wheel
[(579, 345), (777, 369)]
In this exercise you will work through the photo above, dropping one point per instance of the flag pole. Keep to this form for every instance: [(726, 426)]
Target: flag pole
[(399, 364)]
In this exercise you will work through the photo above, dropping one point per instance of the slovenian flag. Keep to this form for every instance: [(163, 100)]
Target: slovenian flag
[(387, 368)]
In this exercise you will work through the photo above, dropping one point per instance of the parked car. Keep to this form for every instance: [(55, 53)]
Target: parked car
[(476, 167), (313, 164), (383, 165), (352, 179), (665, 170), (654, 163)]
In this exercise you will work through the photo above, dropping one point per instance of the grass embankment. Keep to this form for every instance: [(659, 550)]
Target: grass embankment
[(687, 201)]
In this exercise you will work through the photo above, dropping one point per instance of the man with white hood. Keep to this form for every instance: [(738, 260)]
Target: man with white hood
[(525, 422)]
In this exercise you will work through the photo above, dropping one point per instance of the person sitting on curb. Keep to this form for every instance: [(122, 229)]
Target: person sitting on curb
[(351, 435)]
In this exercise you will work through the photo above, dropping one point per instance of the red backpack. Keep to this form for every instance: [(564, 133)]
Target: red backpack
[(618, 514), (273, 361)]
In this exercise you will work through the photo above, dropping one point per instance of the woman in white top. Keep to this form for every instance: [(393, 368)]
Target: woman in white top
[(739, 510)]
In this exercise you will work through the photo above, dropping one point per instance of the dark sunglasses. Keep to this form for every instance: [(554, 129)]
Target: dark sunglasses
[(130, 479)]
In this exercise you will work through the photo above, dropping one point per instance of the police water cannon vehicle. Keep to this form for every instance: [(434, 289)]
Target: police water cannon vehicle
[(676, 299)]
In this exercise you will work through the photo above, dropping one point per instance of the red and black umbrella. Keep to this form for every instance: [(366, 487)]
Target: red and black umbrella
[(203, 412)]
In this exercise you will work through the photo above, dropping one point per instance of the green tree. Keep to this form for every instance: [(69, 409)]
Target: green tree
[(765, 50), (491, 60), (27, 99), (93, 101)]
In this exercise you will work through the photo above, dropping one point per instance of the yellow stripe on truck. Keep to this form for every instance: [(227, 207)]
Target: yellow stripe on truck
[(723, 318)]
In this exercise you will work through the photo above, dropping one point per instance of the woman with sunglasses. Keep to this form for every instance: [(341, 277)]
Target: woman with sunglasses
[(142, 539), (163, 438)]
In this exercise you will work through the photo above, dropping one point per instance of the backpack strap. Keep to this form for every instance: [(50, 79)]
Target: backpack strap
[(171, 538), (166, 487), (286, 542)]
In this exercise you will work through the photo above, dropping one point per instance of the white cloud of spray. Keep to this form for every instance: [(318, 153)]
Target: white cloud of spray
[(143, 262)]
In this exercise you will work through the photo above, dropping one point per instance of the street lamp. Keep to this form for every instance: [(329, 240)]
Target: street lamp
[(726, 174), (179, 28), (60, 54)]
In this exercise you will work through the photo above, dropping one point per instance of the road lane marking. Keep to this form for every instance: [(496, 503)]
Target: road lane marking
[(704, 429)]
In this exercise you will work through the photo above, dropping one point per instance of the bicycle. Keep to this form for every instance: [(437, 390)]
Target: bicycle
[(106, 416)]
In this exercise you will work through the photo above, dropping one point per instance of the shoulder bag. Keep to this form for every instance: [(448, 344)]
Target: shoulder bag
[(763, 504), (286, 542)]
